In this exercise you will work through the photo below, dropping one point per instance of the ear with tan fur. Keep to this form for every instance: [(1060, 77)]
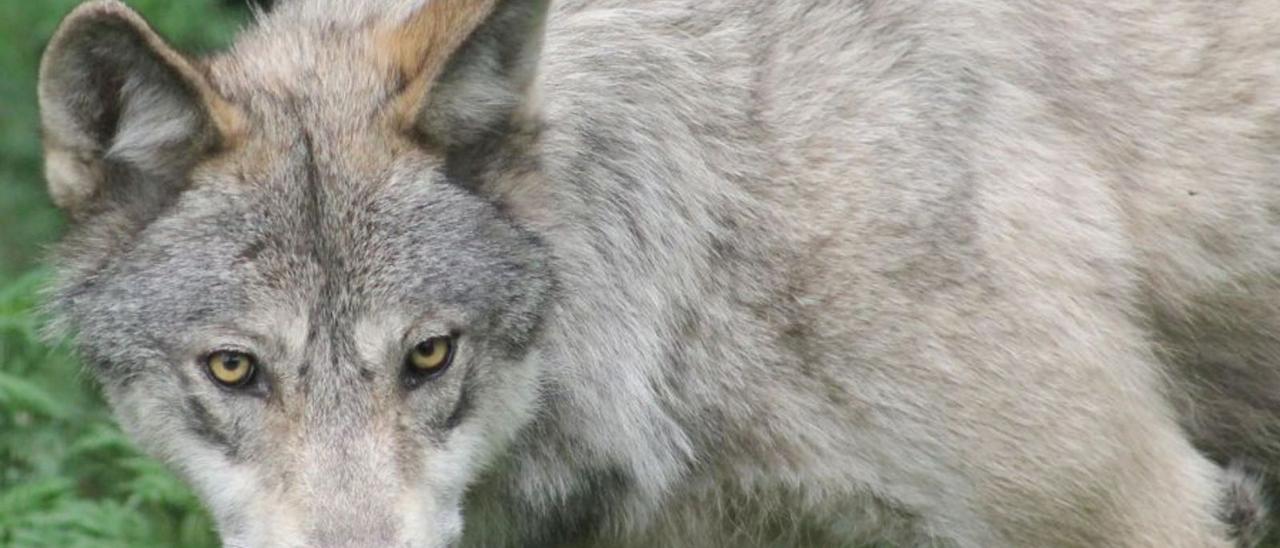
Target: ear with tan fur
[(469, 67), (114, 98)]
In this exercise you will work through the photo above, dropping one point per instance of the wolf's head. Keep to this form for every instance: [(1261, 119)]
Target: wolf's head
[(284, 267)]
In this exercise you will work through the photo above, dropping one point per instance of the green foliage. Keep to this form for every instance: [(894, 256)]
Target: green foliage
[(68, 476)]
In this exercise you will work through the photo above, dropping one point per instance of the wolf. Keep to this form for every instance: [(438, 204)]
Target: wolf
[(969, 273)]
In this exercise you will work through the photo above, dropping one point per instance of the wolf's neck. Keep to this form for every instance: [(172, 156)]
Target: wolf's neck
[(644, 194)]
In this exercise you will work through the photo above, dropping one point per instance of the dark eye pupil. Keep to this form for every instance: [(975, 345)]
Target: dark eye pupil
[(427, 359)]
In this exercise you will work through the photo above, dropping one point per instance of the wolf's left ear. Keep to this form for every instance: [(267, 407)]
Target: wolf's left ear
[(113, 95), (468, 67)]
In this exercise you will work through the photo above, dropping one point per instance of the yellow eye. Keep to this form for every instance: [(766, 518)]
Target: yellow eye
[(231, 368), (432, 355)]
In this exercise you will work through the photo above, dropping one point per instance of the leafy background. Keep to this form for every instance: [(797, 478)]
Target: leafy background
[(68, 477)]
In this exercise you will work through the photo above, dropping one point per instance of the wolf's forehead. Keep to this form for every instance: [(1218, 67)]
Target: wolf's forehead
[(362, 235), (332, 73)]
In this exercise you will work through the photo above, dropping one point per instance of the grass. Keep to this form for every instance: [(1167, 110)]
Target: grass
[(68, 476)]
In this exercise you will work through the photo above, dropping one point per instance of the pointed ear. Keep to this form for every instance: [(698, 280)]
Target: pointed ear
[(468, 67), (114, 98)]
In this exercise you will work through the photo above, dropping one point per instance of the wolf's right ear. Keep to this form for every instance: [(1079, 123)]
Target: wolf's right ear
[(115, 98), (467, 66)]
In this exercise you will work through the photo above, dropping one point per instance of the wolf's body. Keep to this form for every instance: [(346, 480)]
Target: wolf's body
[(974, 274)]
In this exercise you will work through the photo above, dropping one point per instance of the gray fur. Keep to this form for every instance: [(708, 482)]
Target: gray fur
[(974, 274)]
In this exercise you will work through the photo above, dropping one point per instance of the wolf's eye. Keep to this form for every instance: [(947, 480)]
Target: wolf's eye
[(430, 357), (231, 368)]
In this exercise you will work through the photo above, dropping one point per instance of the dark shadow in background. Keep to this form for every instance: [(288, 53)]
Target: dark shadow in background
[(264, 4)]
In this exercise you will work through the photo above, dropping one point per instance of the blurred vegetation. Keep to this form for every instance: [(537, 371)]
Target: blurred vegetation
[(68, 477)]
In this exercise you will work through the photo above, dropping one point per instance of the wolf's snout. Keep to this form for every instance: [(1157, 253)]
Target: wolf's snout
[(353, 492)]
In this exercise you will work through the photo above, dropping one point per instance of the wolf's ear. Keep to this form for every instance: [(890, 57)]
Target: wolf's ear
[(468, 67), (114, 96)]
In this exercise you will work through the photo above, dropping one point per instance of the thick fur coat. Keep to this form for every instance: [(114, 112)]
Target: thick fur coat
[(966, 273)]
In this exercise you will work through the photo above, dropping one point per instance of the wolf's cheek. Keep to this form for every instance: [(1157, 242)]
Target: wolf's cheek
[(429, 521), (238, 498), (230, 489), (148, 406)]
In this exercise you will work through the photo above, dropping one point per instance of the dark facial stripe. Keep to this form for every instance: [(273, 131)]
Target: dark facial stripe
[(203, 424), (460, 409), (465, 403)]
